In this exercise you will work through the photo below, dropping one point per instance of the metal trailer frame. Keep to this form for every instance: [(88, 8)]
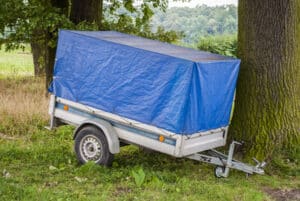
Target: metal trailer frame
[(119, 129)]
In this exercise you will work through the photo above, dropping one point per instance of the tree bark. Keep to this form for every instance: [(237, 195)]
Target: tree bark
[(38, 56), (267, 108), (49, 61), (50, 52), (38, 52), (86, 10)]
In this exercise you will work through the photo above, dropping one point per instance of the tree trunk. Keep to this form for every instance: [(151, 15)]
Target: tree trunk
[(49, 61), (38, 52), (267, 108), (50, 52), (86, 10)]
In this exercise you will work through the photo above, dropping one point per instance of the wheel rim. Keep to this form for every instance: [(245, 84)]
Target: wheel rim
[(219, 171), (91, 148)]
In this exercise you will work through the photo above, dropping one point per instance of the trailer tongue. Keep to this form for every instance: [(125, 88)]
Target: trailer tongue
[(224, 163), (116, 88)]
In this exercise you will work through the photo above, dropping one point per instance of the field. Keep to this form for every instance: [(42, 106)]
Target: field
[(17, 62), (37, 164)]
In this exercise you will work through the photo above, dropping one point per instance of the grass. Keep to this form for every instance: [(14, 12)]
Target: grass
[(37, 164), (17, 62)]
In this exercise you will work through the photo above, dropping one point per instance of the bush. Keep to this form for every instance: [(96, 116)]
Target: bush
[(223, 44)]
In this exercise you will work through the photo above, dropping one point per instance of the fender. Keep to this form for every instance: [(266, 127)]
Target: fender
[(109, 132)]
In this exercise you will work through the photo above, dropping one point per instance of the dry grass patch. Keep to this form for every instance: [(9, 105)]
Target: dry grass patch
[(23, 104)]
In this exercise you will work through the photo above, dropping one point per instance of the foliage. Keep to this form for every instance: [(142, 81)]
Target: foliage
[(150, 19), (198, 22), (124, 17), (23, 18), (224, 45), (139, 176), (16, 62)]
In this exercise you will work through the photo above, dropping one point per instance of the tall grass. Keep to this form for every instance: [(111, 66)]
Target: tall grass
[(23, 104)]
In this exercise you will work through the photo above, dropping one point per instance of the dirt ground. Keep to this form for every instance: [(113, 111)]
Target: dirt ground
[(284, 194)]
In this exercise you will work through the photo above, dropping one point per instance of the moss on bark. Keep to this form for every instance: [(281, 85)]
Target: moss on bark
[(267, 108)]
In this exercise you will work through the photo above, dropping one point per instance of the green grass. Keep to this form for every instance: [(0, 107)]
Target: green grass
[(17, 62), (41, 165)]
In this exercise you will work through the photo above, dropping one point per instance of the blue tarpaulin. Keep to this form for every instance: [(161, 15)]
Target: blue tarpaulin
[(175, 88)]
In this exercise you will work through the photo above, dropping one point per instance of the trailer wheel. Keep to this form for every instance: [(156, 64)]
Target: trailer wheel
[(91, 145), (219, 170)]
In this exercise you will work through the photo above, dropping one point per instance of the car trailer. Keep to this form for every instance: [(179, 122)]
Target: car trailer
[(98, 136), (120, 89)]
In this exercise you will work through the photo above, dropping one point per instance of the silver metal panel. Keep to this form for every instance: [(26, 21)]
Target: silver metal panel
[(69, 118), (145, 142), (131, 137), (51, 105), (202, 143), (51, 111), (185, 145)]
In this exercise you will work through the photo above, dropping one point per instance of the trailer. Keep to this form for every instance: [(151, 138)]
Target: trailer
[(118, 89)]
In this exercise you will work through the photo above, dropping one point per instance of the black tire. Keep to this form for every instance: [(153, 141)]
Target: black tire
[(91, 145)]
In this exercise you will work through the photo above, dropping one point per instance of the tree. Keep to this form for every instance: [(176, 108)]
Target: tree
[(221, 44), (86, 10), (198, 22), (41, 36), (267, 108), (37, 22)]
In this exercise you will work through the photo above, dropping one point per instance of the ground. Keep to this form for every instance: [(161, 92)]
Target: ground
[(37, 164)]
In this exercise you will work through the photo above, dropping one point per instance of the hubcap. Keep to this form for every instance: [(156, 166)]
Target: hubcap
[(91, 148)]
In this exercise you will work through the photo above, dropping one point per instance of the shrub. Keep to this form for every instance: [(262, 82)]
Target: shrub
[(223, 44)]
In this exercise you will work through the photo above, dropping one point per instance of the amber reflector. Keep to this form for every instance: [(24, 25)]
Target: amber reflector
[(66, 107), (161, 138)]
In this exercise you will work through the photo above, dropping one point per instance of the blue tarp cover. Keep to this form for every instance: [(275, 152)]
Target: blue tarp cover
[(178, 89)]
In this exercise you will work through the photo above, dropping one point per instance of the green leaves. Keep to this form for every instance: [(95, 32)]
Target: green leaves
[(225, 45), (139, 176), (128, 4), (147, 12), (197, 22), (25, 18), (125, 17)]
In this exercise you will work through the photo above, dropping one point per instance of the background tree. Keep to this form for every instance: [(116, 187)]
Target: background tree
[(86, 10), (220, 44), (267, 109), (37, 22), (41, 36), (199, 22)]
